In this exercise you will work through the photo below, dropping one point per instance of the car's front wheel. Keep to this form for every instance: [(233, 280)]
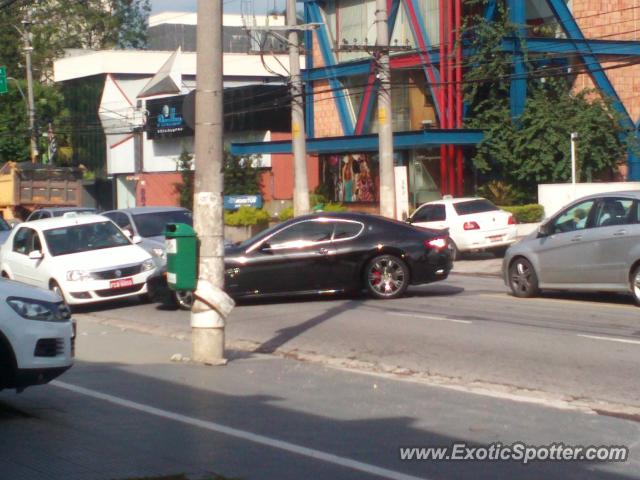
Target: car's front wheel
[(386, 277), (55, 288), (184, 299), (635, 284), (523, 279)]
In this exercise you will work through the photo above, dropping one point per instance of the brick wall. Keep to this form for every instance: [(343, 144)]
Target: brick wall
[(613, 20), (158, 189)]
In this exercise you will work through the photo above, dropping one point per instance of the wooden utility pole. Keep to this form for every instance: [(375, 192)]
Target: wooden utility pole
[(385, 127), (212, 304), (298, 135)]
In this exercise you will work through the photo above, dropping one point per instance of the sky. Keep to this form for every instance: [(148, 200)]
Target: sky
[(231, 6)]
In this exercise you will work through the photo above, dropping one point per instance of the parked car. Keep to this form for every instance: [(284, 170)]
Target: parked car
[(36, 336), (474, 224), (334, 252), (57, 212), (84, 259), (593, 244), (149, 223)]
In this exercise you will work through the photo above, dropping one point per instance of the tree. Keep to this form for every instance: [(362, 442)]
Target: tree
[(185, 188), (241, 177), (534, 148)]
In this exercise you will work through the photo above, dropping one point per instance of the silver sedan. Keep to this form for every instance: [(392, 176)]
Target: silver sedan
[(593, 244)]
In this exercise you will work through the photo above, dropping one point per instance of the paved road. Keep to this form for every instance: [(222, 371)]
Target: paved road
[(465, 332), (125, 412)]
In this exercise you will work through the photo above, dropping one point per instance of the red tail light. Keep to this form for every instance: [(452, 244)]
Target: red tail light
[(437, 243), (471, 226), (512, 220)]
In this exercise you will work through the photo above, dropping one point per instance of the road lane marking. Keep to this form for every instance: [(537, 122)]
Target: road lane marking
[(241, 434), (540, 300), (429, 317), (610, 339)]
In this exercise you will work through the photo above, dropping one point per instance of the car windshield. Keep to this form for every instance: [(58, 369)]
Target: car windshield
[(474, 206), (4, 226), (84, 238), (152, 224)]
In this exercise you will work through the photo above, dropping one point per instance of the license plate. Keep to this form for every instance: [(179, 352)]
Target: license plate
[(495, 238), (121, 283)]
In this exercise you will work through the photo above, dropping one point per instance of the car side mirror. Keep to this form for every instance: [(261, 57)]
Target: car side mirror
[(127, 232), (35, 255), (409, 220), (265, 248), (544, 230), (136, 239)]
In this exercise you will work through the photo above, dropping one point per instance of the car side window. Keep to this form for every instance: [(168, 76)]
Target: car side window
[(34, 216), (574, 218), (430, 213), (614, 211), (26, 241), (345, 230), (302, 234), (120, 219)]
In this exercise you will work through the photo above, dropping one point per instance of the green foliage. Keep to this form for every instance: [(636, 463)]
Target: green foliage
[(285, 214), (531, 213), (333, 207), (14, 130), (498, 192), (240, 175), (246, 216), (534, 148), (185, 188)]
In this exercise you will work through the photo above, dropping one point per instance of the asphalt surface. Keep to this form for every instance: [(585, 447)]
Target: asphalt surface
[(124, 411), (466, 332)]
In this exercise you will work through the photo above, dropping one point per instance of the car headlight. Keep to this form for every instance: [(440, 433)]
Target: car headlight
[(78, 275), (148, 264), (159, 252), (39, 310)]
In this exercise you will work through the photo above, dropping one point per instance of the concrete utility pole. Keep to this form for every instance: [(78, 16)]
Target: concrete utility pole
[(31, 108), (212, 305), (298, 135), (385, 128)]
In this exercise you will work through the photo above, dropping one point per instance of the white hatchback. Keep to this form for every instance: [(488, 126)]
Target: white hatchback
[(84, 258), (473, 223)]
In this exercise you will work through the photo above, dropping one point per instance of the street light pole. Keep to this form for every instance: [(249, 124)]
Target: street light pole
[(385, 129), (212, 304), (31, 109), (298, 135)]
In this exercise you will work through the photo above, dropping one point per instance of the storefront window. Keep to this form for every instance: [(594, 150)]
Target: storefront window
[(350, 177)]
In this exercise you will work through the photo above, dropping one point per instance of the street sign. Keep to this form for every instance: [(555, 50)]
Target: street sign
[(3, 79)]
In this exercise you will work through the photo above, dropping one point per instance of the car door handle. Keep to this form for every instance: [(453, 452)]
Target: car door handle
[(620, 233), (326, 251), (577, 238)]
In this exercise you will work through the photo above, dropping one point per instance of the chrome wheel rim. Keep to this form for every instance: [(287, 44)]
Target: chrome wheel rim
[(386, 277), (521, 274), (184, 299)]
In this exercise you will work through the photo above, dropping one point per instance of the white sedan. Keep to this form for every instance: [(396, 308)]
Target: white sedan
[(473, 223), (84, 259)]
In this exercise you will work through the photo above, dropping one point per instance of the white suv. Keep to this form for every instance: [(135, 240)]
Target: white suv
[(36, 336), (473, 223)]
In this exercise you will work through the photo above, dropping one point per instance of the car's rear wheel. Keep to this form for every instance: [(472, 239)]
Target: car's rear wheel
[(386, 276), (184, 299), (523, 279), (635, 284)]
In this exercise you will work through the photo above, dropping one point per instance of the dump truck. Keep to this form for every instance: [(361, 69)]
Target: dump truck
[(26, 186)]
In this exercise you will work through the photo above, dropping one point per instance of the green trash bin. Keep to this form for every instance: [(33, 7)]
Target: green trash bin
[(182, 256)]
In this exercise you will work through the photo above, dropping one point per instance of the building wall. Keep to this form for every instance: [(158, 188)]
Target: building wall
[(613, 20), (158, 189)]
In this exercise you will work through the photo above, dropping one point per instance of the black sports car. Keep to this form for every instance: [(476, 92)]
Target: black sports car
[(334, 252)]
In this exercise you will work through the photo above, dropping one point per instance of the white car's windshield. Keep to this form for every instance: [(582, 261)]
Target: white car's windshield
[(83, 238)]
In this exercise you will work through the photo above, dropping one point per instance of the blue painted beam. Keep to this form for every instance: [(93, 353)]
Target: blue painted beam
[(490, 10), (366, 143), (562, 46), (309, 103), (326, 49), (518, 90)]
